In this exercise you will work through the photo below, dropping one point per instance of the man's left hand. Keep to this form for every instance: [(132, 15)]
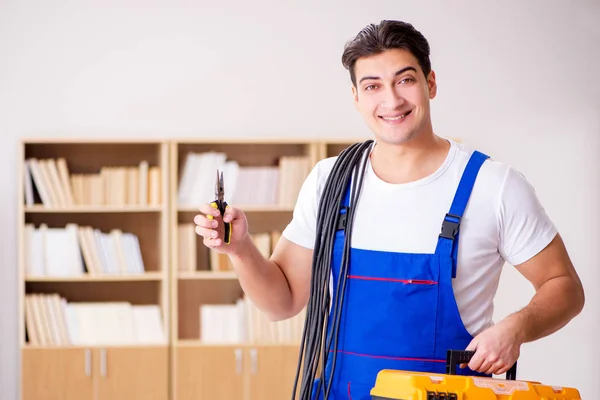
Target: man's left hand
[(496, 349)]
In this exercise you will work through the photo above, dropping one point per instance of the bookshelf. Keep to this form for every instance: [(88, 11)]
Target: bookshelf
[(262, 177), (93, 267), (139, 198)]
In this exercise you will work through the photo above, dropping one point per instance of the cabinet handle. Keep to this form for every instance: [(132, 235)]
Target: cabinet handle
[(88, 362), (238, 361), (253, 361), (103, 362)]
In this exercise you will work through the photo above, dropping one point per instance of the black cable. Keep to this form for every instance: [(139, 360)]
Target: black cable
[(319, 306), (341, 288)]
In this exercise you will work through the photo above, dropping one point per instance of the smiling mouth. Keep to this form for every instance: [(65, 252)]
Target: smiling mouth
[(396, 118)]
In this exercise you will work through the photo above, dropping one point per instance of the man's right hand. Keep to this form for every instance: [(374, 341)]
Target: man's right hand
[(212, 229)]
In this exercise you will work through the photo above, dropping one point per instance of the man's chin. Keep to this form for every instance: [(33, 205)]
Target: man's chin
[(395, 138)]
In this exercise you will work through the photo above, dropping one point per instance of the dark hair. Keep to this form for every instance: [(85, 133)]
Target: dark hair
[(376, 38)]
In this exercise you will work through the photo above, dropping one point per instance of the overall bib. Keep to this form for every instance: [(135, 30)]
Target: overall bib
[(399, 310)]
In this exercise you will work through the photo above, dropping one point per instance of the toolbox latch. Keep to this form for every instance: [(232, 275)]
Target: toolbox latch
[(441, 396)]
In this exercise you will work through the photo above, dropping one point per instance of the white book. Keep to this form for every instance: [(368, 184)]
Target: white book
[(40, 182), (76, 265), (148, 324), (58, 252), (34, 251), (188, 177), (28, 183)]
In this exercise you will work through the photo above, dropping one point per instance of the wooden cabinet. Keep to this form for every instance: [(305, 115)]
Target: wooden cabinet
[(95, 373), (126, 373), (57, 374), (235, 372), (209, 373), (271, 371)]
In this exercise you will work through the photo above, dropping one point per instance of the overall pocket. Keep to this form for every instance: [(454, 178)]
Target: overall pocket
[(390, 317)]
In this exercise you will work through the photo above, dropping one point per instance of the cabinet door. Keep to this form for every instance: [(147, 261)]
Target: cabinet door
[(209, 373), (126, 373), (272, 371), (57, 374)]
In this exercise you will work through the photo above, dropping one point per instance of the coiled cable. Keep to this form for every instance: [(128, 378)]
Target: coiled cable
[(313, 355)]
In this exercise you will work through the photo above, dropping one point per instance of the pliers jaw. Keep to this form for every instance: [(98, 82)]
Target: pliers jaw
[(221, 205), (219, 187)]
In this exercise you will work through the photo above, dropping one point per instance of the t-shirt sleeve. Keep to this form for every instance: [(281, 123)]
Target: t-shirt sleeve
[(302, 228), (525, 227)]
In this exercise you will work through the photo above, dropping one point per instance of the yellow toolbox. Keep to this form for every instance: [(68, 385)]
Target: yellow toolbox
[(407, 385)]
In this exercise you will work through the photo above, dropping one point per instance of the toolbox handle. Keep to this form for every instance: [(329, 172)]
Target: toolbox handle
[(454, 357)]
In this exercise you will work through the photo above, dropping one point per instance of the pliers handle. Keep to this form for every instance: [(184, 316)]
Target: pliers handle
[(222, 205)]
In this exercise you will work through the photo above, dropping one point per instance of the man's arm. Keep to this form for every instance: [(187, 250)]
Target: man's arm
[(558, 298), (279, 286), (559, 294)]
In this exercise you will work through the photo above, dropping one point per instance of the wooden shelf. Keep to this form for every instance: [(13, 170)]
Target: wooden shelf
[(207, 275), (200, 343), (93, 209), (29, 347), (115, 207), (258, 209), (147, 276)]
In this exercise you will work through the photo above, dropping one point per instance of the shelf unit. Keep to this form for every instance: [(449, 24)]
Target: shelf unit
[(96, 363), (186, 365), (248, 365)]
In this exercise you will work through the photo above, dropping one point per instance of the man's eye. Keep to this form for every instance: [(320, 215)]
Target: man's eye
[(407, 80), (370, 87)]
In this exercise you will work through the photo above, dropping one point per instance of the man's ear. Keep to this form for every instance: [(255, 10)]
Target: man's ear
[(432, 84), (355, 95)]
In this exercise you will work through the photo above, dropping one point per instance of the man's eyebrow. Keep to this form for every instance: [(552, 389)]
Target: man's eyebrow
[(400, 71)]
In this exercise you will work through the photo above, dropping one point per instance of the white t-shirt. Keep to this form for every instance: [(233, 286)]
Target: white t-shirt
[(503, 221)]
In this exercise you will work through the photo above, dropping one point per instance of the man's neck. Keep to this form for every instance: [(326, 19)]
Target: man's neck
[(409, 161)]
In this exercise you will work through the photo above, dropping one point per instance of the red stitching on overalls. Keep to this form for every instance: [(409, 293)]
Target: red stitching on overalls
[(410, 281), (349, 394), (390, 357)]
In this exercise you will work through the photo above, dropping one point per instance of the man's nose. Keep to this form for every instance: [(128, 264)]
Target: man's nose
[(392, 98)]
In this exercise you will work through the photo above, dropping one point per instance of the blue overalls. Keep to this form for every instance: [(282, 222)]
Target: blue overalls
[(399, 310)]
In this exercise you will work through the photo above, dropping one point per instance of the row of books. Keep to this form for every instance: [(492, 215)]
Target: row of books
[(244, 322), (49, 180), (188, 249), (76, 250), (52, 321), (277, 185)]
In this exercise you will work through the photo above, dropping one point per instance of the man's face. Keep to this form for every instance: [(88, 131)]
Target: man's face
[(392, 95)]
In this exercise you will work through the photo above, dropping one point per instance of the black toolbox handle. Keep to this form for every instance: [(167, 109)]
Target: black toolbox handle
[(454, 357)]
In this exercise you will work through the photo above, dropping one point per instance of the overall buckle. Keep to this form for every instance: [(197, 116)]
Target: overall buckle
[(342, 218), (450, 228)]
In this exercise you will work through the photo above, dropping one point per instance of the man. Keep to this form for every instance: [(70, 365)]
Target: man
[(414, 287)]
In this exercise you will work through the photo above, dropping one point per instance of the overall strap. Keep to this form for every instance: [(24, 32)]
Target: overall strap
[(448, 238)]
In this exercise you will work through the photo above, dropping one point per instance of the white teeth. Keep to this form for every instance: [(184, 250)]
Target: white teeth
[(394, 118)]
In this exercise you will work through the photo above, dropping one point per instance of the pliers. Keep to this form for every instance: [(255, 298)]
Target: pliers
[(221, 204)]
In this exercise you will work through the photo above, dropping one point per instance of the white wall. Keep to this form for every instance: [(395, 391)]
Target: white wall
[(516, 79)]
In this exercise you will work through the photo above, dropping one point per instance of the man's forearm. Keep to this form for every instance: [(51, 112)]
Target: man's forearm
[(262, 280), (552, 307)]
